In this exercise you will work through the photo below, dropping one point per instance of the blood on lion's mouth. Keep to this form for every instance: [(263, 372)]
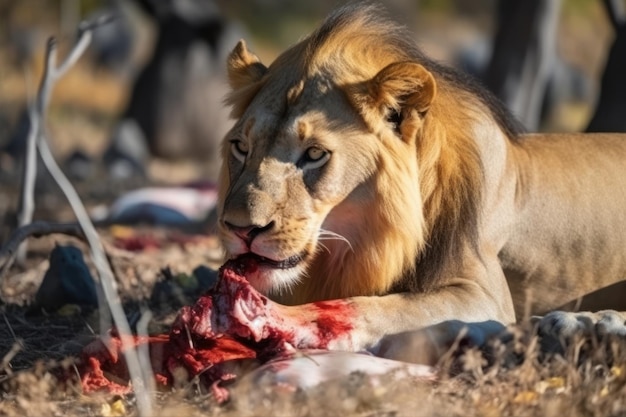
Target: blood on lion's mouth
[(251, 260)]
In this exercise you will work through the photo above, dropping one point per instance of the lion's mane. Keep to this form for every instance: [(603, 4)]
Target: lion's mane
[(352, 46)]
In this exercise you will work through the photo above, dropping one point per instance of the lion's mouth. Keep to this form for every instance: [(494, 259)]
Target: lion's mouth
[(252, 258)]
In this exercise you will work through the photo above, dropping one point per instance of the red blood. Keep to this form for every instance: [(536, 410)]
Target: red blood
[(334, 319), (243, 265), (105, 369), (232, 323), (242, 311), (137, 243)]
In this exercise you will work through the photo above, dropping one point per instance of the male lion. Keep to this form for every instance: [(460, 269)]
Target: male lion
[(359, 169)]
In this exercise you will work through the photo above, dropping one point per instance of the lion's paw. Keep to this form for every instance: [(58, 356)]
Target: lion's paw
[(611, 323), (559, 328), (428, 345)]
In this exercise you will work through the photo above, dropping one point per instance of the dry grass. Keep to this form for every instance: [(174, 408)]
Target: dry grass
[(508, 379), (513, 381)]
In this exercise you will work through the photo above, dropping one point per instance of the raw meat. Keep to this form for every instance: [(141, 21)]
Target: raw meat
[(230, 324)]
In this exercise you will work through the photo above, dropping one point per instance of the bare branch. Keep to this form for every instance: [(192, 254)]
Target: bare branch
[(29, 171), (48, 78), (35, 229), (89, 25), (18, 345), (144, 349), (84, 39), (107, 292), (107, 281)]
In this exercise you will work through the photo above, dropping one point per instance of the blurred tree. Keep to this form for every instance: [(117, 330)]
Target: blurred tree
[(524, 54), (175, 110), (610, 113)]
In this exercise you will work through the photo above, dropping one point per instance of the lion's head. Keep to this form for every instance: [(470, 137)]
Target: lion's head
[(349, 165)]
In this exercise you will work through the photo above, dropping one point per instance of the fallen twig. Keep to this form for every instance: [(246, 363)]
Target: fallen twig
[(5, 367)]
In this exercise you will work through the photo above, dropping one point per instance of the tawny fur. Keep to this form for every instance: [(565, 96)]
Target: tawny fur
[(436, 188), (430, 193)]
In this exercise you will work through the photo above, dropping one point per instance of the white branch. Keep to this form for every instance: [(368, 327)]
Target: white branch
[(83, 42), (37, 228), (107, 280), (107, 293)]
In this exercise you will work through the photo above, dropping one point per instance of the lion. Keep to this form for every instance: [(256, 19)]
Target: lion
[(360, 170)]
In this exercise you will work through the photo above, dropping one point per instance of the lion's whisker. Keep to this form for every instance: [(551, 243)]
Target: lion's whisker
[(329, 235), (323, 246)]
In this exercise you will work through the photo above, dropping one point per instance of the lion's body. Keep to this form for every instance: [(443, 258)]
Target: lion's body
[(568, 223), (359, 168)]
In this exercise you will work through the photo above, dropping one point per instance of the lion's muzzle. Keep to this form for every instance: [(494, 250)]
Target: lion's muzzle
[(248, 233)]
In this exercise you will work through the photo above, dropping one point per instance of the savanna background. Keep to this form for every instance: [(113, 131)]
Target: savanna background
[(82, 125)]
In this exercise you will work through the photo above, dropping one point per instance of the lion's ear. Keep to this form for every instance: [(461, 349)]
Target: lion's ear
[(244, 68), (400, 93)]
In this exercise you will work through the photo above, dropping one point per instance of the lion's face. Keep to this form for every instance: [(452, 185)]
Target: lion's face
[(293, 179), (309, 167)]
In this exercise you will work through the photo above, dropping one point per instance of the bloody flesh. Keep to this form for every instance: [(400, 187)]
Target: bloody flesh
[(333, 320), (231, 323)]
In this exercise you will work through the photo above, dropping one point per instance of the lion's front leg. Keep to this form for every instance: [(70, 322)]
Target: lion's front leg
[(410, 327), (430, 344), (442, 313), (358, 323)]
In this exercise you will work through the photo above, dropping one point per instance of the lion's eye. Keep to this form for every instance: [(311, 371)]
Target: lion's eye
[(315, 157), (315, 154), (239, 149)]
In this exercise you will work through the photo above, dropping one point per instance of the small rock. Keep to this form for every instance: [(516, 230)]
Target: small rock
[(67, 281)]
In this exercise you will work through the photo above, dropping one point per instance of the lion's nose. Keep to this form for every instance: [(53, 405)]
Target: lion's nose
[(248, 233)]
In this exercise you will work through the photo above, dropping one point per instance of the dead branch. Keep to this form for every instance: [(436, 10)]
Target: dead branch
[(34, 229), (107, 293), (144, 350), (37, 115)]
